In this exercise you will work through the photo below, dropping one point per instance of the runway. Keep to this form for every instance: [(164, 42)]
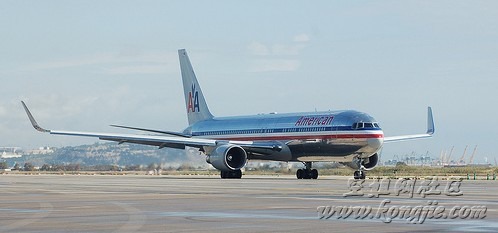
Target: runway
[(135, 203)]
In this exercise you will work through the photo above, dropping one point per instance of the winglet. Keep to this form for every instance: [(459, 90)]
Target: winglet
[(430, 131), (32, 119), (430, 121)]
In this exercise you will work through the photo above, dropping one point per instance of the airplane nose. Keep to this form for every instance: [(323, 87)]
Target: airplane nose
[(375, 143)]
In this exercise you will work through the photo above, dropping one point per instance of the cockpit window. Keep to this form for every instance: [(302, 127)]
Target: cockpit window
[(361, 125), (358, 125)]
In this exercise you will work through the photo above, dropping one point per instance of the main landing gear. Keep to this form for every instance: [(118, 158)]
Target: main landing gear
[(237, 174), (307, 173)]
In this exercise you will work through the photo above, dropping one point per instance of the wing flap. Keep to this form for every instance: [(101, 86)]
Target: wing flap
[(154, 131), (156, 140)]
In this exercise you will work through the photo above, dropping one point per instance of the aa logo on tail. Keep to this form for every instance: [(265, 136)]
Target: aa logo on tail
[(193, 100)]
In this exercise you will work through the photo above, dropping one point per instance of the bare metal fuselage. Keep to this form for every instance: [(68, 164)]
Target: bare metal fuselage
[(306, 137)]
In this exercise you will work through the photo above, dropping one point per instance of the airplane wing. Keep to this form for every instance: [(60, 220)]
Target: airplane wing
[(154, 131), (428, 134), (176, 141)]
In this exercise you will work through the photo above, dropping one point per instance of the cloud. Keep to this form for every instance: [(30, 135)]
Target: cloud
[(123, 63), (141, 69), (3, 111), (73, 62), (64, 105), (301, 38), (278, 56), (282, 50), (257, 48), (265, 65)]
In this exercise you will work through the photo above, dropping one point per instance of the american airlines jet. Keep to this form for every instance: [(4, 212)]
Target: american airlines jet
[(349, 137)]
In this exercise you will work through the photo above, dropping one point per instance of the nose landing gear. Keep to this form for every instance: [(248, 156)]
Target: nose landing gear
[(360, 174)]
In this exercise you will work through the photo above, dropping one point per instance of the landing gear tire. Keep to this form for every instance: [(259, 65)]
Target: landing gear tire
[(359, 175), (307, 173), (314, 174), (300, 174), (237, 174)]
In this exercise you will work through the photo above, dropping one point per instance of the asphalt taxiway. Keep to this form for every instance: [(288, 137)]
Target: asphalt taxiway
[(135, 203)]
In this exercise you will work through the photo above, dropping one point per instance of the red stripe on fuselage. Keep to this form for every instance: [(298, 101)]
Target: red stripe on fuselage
[(303, 137)]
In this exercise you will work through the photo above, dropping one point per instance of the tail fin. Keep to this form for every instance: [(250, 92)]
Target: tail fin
[(197, 109)]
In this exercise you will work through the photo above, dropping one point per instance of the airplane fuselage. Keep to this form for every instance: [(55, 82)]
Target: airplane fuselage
[(308, 137)]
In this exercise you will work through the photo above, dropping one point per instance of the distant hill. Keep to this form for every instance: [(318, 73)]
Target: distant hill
[(114, 154)]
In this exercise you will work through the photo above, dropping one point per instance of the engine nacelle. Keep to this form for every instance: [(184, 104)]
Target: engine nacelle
[(368, 163), (371, 162), (228, 157)]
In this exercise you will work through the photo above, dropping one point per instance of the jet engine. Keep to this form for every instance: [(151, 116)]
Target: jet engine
[(228, 157), (368, 163)]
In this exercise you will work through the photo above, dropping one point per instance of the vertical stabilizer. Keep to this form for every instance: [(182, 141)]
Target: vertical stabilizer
[(197, 109)]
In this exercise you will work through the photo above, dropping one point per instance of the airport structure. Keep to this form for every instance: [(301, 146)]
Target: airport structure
[(10, 152)]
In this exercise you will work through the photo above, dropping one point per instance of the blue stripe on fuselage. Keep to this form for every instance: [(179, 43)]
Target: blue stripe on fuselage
[(281, 130)]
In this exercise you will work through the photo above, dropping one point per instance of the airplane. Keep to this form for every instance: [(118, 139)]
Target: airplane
[(350, 137)]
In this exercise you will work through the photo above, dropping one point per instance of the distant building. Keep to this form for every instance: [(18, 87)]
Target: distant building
[(41, 151), (10, 152)]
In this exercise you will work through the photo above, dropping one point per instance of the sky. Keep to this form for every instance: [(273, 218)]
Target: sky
[(83, 65)]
